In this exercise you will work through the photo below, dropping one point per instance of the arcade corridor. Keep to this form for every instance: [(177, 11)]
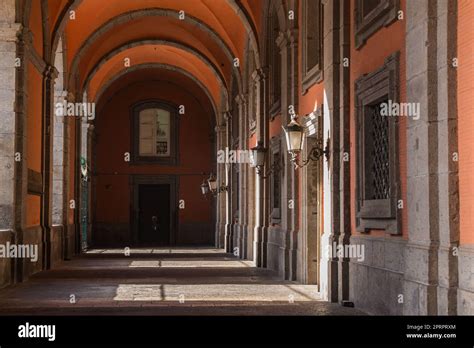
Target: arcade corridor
[(253, 156)]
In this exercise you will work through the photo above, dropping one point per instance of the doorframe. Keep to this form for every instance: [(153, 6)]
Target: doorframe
[(312, 220), (312, 207), (135, 182)]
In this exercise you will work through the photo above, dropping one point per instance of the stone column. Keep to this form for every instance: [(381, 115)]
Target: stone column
[(59, 148), (260, 77), (228, 182), (12, 128), (331, 87), (421, 253), (70, 229), (220, 218), (250, 208), (448, 181), (288, 44), (49, 75), (243, 145), (60, 160), (344, 147)]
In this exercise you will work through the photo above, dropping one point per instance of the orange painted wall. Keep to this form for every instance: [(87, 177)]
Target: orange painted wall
[(36, 26), (34, 113), (33, 207), (252, 141), (33, 155), (55, 7), (275, 126), (465, 118), (371, 56), (113, 140)]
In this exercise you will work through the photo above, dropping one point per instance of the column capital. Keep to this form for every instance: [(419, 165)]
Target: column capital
[(292, 36), (221, 128), (260, 74), (50, 72), (288, 38), (240, 99), (281, 40), (227, 116), (24, 35), (69, 96)]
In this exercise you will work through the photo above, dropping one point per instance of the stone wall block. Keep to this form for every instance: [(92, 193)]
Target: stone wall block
[(419, 220), (395, 256), (411, 296), (378, 290), (7, 58), (466, 269), (378, 253), (416, 263)]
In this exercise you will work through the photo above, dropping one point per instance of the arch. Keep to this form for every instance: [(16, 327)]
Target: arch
[(238, 8), (48, 54), (249, 89), (154, 12), (110, 82), (138, 43), (167, 55), (101, 101), (23, 9), (62, 21), (126, 17), (250, 26)]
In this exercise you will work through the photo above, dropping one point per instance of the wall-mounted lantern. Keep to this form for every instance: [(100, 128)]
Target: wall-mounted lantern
[(259, 154), (294, 133), (205, 187), (211, 186)]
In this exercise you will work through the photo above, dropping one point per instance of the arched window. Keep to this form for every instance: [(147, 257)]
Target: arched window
[(154, 133)]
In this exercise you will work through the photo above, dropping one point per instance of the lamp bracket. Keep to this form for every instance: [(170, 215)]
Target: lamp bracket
[(220, 189), (316, 152), (275, 167)]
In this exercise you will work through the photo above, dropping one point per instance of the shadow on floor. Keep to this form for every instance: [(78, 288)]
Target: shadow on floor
[(163, 282)]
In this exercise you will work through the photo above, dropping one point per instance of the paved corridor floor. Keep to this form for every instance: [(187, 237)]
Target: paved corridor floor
[(163, 282)]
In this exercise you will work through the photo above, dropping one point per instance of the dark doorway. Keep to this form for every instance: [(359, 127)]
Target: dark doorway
[(154, 223), (154, 217)]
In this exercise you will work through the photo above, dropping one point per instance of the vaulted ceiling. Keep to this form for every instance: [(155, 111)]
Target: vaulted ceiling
[(202, 39)]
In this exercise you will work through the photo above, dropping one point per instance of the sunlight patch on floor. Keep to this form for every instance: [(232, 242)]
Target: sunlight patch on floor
[(132, 251), (192, 264), (217, 292)]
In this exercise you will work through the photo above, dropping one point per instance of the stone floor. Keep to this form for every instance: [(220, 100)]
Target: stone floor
[(163, 282)]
